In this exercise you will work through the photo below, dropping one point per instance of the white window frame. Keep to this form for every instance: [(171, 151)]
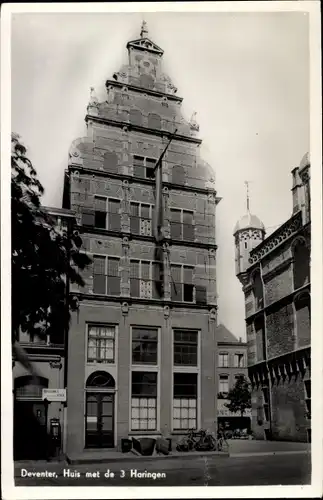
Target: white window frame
[(103, 325), (227, 379), (227, 358), (187, 369), (146, 368), (150, 279)]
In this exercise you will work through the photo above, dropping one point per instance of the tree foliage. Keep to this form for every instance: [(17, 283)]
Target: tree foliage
[(239, 396), (42, 256)]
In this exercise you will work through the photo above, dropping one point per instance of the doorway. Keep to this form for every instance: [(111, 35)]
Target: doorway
[(99, 414), (99, 420)]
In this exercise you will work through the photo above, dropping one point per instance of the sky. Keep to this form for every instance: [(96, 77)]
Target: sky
[(245, 74)]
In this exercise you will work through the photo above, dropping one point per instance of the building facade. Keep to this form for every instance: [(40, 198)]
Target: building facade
[(232, 364), (33, 417), (142, 345), (275, 276)]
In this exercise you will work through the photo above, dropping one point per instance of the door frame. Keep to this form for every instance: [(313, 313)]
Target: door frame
[(94, 391)]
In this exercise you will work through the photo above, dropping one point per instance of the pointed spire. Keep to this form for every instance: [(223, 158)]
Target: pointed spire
[(247, 186), (144, 30)]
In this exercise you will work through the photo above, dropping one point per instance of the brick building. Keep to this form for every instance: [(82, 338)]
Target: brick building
[(232, 363), (275, 275), (142, 346), (32, 419)]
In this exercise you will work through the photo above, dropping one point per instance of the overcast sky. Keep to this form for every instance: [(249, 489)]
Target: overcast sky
[(246, 75)]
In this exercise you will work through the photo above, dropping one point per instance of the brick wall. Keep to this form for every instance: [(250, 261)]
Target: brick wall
[(280, 331)]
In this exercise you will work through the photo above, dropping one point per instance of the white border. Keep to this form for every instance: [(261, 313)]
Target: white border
[(11, 492)]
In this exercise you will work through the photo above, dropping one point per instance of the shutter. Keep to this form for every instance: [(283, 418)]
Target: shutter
[(114, 215)]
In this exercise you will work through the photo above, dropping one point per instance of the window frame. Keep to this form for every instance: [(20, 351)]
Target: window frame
[(150, 280), (185, 397), (144, 158), (182, 223), (144, 397), (107, 257), (98, 360), (227, 359), (148, 341), (183, 266), (226, 378), (185, 343), (140, 217), (242, 357), (106, 212)]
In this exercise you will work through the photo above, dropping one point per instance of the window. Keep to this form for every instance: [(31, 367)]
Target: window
[(144, 279), (182, 225), (185, 401), (140, 218), (301, 267), (154, 121), (104, 219), (307, 387), (135, 117), (144, 401), (258, 290), (182, 283), (224, 384), (223, 360), (100, 214), (239, 360), (144, 345), (143, 167), (101, 344), (106, 282), (185, 347), (265, 395)]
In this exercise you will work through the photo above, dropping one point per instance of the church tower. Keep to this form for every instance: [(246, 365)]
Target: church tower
[(248, 232)]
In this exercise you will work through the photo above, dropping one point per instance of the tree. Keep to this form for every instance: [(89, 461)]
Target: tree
[(239, 396), (43, 258)]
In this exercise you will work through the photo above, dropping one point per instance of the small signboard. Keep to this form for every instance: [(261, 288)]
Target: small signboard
[(54, 394)]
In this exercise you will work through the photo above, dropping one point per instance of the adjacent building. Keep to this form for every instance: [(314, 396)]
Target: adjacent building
[(142, 345), (33, 417), (232, 364), (275, 275)]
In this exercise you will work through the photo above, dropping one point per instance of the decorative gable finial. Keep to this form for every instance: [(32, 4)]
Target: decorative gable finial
[(93, 98), (144, 30), (193, 123)]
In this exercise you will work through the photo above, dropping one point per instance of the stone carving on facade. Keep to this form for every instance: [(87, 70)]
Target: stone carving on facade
[(213, 314), (125, 308), (170, 87), (56, 363), (93, 105), (166, 312), (282, 234)]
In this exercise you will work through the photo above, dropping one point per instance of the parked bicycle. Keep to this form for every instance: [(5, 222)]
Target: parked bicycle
[(201, 440)]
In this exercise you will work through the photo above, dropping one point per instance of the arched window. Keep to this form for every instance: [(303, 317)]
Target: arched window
[(110, 162), (100, 379), (27, 388), (303, 319), (146, 81), (154, 121), (135, 117), (258, 292), (178, 175), (259, 326), (301, 266)]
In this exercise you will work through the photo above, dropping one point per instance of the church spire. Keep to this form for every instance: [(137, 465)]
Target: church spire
[(144, 30)]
